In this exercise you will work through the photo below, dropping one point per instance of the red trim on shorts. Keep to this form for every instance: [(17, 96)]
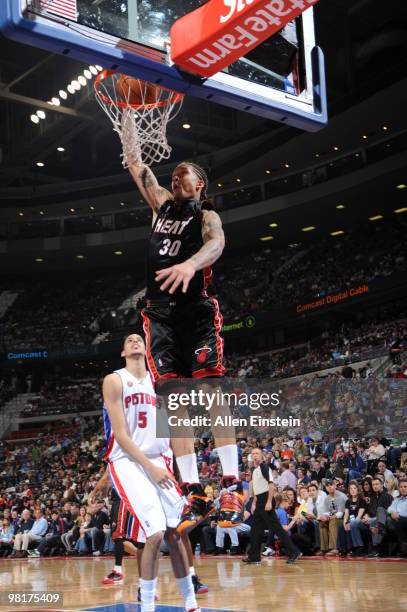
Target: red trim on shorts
[(109, 447), (168, 462), (150, 359), (219, 369), (122, 492), (135, 530)]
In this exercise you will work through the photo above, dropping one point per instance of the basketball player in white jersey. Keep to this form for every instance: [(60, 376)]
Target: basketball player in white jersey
[(139, 471)]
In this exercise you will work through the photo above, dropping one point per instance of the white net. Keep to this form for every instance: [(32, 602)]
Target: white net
[(140, 113)]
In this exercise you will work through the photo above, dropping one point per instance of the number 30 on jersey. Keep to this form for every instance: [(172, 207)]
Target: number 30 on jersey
[(170, 247)]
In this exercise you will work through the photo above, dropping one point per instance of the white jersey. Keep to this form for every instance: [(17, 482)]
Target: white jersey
[(139, 407)]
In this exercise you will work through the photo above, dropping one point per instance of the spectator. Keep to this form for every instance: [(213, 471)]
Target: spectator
[(383, 471), (6, 537), (92, 534), (355, 464), (375, 452), (332, 514), (398, 516), (52, 540), (349, 534), (288, 477), (375, 518), (35, 534), (318, 473)]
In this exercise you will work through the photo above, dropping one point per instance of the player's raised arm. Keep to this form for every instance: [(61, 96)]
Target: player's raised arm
[(112, 395), (147, 184)]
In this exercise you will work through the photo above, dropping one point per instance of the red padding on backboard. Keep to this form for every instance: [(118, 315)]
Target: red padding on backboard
[(218, 33)]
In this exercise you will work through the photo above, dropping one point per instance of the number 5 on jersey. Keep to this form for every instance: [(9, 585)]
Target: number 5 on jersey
[(142, 420), (170, 247)]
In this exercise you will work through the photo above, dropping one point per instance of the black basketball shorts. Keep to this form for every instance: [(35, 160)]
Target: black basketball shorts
[(183, 340)]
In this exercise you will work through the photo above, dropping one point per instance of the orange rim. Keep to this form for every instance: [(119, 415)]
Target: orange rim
[(175, 97)]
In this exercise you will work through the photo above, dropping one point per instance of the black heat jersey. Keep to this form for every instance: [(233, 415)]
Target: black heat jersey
[(175, 237)]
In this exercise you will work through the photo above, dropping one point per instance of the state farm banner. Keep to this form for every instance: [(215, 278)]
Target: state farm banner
[(218, 33)]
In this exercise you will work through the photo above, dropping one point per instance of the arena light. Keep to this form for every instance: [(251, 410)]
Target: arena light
[(266, 238), (72, 210), (376, 218), (76, 85), (56, 101), (93, 70), (268, 171), (186, 126), (63, 94), (40, 164), (401, 210), (35, 119), (99, 68), (21, 214), (337, 233), (92, 207), (364, 136), (385, 128), (87, 73), (41, 212), (317, 155), (39, 259), (309, 228), (82, 80), (336, 148), (401, 186), (118, 252), (121, 203), (238, 180), (286, 165), (273, 225), (41, 114), (71, 89), (220, 185), (80, 257), (340, 206), (61, 149)]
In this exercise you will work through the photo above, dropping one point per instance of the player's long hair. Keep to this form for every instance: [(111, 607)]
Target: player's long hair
[(202, 175)]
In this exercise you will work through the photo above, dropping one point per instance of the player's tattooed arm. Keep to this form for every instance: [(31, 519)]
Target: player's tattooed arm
[(149, 187), (214, 241), (181, 274)]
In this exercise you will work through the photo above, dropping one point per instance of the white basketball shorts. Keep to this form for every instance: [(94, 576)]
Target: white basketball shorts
[(154, 507)]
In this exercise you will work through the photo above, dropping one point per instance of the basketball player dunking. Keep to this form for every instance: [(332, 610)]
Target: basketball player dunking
[(139, 471), (182, 323)]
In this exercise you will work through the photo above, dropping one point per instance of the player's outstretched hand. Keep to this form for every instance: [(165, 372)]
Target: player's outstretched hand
[(161, 477), (174, 276)]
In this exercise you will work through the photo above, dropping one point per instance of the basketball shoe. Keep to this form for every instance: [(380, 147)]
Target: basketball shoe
[(113, 578), (231, 503), (199, 588), (198, 507)]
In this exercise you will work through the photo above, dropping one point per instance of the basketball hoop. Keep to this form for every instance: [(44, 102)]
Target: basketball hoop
[(140, 119)]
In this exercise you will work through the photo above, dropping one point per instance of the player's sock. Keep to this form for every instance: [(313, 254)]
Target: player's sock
[(118, 569), (188, 592), (188, 468), (228, 458), (192, 571), (147, 591)]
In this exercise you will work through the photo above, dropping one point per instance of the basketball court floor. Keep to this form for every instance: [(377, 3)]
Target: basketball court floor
[(311, 585)]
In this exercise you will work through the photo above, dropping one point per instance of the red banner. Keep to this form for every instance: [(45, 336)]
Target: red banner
[(218, 33)]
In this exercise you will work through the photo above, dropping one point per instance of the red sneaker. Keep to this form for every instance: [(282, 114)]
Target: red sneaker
[(231, 503), (113, 578)]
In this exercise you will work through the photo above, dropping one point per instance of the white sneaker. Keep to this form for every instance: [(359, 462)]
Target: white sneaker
[(268, 552), (96, 553)]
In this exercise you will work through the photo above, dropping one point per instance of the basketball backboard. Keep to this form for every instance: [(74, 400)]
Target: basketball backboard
[(282, 79)]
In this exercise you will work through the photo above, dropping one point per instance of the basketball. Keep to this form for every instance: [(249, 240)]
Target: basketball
[(136, 92)]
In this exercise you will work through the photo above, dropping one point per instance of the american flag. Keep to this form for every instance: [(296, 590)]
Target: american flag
[(62, 8)]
